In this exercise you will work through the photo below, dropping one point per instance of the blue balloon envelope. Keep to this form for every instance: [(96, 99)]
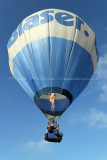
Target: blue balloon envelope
[(53, 55)]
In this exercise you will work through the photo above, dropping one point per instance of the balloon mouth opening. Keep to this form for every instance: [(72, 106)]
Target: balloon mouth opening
[(53, 100)]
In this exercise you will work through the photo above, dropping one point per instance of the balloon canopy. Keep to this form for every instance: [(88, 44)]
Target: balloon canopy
[(53, 55)]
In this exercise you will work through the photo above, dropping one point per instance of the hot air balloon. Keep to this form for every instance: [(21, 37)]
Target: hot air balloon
[(53, 55)]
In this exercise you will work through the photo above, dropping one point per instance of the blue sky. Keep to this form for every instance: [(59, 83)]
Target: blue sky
[(84, 124)]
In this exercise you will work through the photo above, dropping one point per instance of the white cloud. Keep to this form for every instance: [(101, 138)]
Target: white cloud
[(41, 146), (102, 67), (97, 118), (101, 73), (103, 94), (94, 118)]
